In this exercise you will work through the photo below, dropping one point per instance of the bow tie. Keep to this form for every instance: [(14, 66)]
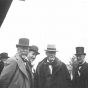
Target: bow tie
[(50, 63)]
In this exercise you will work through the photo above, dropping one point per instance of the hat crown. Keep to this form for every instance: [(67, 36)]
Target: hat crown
[(34, 48), (4, 55), (80, 50), (23, 42), (51, 47)]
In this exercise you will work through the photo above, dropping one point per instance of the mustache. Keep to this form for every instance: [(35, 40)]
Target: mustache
[(23, 53)]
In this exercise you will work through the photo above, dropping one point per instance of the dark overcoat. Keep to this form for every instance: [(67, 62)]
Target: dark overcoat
[(81, 81), (60, 76), (1, 66)]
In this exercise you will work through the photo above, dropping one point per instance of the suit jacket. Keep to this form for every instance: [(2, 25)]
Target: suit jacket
[(82, 80), (15, 75), (60, 77)]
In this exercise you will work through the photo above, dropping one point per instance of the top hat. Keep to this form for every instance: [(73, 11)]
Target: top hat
[(34, 48), (4, 55), (80, 51), (23, 42), (51, 48)]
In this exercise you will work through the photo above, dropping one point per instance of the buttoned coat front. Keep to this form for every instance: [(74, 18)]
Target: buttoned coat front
[(14, 74), (60, 75)]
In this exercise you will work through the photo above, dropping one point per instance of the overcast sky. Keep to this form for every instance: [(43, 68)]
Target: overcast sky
[(60, 22)]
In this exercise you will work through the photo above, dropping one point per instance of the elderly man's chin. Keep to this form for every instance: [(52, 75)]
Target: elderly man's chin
[(24, 56), (51, 59)]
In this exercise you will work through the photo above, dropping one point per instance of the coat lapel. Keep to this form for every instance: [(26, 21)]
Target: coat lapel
[(85, 65), (21, 65), (45, 66), (57, 66)]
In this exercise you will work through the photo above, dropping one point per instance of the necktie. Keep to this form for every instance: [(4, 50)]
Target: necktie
[(30, 74), (78, 69), (50, 69)]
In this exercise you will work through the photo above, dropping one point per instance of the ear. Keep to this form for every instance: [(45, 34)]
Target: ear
[(46, 52)]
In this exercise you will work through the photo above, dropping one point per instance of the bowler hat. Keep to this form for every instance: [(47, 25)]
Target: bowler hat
[(34, 48), (80, 51), (51, 48), (4, 55), (23, 42)]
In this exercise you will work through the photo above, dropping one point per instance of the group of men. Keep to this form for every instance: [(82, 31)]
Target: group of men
[(50, 72)]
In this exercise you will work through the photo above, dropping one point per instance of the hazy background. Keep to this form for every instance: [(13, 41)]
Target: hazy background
[(60, 22)]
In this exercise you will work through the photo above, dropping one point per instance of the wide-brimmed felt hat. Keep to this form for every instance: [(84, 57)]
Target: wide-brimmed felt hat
[(34, 48), (80, 51), (51, 48), (23, 42), (4, 55)]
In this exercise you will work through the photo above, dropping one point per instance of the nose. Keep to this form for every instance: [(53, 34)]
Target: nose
[(78, 57), (33, 56)]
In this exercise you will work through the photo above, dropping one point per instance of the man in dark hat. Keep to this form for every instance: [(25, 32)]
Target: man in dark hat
[(80, 77), (17, 73), (51, 72), (33, 52), (3, 57)]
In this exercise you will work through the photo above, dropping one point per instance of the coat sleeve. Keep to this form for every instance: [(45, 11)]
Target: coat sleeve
[(7, 73), (86, 78), (67, 76)]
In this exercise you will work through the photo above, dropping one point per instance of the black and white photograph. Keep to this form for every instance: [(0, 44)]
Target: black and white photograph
[(43, 43)]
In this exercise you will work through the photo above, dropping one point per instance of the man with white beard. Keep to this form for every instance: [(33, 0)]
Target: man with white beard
[(17, 72), (51, 72)]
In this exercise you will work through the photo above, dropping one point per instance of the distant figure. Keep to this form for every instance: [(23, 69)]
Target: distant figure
[(17, 72), (3, 58), (51, 72), (80, 77)]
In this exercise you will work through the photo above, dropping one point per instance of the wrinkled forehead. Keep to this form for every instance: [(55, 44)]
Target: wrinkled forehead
[(32, 52), (80, 55), (23, 47)]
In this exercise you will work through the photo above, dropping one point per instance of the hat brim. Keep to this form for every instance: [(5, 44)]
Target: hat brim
[(17, 45), (38, 53), (35, 51), (52, 50), (81, 54), (4, 57)]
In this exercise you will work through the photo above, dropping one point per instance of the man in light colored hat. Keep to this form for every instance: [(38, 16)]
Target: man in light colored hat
[(51, 72), (80, 77), (17, 73)]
